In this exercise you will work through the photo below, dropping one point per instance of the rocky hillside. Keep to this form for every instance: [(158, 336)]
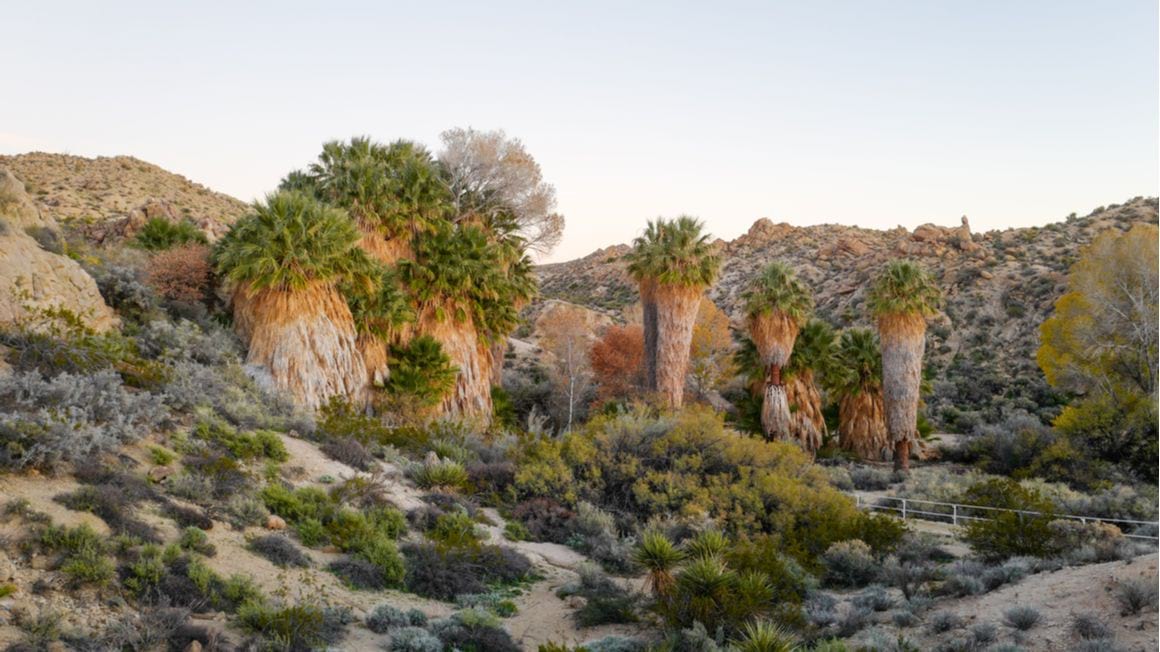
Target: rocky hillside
[(107, 197), (1000, 286)]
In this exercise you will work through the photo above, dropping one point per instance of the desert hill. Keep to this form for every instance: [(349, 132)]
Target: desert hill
[(1000, 285)]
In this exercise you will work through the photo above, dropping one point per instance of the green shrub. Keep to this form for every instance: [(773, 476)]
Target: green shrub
[(159, 234), (300, 626), (445, 474), (850, 564), (1134, 595), (421, 371), (441, 572), (280, 550), (161, 456), (89, 566), (1003, 534), (195, 540), (455, 529)]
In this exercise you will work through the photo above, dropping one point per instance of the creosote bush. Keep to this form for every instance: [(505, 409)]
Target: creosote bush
[(280, 550)]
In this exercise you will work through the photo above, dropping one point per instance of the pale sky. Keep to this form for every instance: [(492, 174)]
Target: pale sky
[(867, 112)]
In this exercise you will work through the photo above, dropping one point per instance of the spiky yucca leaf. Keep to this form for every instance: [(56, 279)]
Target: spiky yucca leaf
[(657, 554), (707, 543), (764, 636)]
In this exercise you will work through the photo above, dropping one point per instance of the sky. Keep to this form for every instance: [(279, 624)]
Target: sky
[(875, 113)]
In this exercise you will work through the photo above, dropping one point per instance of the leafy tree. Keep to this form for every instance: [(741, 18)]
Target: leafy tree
[(567, 342), (1101, 345), (710, 351), (901, 299), (617, 360)]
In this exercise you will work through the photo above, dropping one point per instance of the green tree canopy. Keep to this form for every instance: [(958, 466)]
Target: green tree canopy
[(904, 288), (778, 289), (674, 252)]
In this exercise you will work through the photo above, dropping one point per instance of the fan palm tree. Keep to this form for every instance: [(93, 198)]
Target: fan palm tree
[(673, 262), (286, 261), (777, 304), (381, 316), (811, 360), (901, 299), (856, 382), (659, 557)]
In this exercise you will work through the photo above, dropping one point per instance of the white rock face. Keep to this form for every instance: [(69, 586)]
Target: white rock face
[(32, 278)]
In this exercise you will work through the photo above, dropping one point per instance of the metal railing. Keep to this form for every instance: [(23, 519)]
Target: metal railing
[(957, 514)]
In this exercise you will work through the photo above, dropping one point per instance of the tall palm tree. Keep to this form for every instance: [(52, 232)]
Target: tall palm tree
[(856, 382), (901, 299), (286, 261), (674, 262), (811, 360), (777, 304)]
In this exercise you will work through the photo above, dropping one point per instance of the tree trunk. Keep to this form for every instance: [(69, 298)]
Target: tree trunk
[(775, 416), (903, 344), (303, 343), (375, 357), (648, 307), (774, 335), (808, 424), (862, 425), (676, 314)]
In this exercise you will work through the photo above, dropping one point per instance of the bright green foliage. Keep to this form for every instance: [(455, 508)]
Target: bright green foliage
[(707, 543), (778, 289), (242, 445), (674, 252), (447, 474), (815, 348), (764, 636), (421, 370), (659, 557), (904, 288), (1003, 534), (294, 627), (857, 364), (290, 241), (455, 529), (381, 308), (159, 234)]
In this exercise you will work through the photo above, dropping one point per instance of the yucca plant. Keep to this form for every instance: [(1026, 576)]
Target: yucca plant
[(764, 636), (777, 304), (855, 380), (659, 557), (673, 261), (901, 299), (705, 592), (707, 543), (286, 261)]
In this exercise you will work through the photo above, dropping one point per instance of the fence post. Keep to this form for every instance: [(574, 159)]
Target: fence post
[(904, 509), (955, 515)]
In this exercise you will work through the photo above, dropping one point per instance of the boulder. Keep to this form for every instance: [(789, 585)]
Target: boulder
[(32, 278), (160, 473), (275, 523)]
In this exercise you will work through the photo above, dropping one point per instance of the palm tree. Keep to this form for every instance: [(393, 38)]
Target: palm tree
[(856, 382), (901, 299), (659, 557), (381, 315), (286, 261), (812, 358), (777, 304), (674, 262)]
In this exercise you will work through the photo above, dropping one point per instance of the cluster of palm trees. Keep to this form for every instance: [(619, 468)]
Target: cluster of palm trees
[(874, 378), (365, 250)]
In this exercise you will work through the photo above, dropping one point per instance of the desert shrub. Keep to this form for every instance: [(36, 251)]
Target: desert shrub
[(302, 626), (764, 636), (904, 618), (444, 474), (350, 452), (869, 478), (187, 517), (874, 598), (851, 620), (280, 550), (123, 287), (840, 477), (159, 234), (1008, 533), (595, 536), (491, 477), (605, 601), (545, 519), (441, 572), (384, 618), (88, 565), (146, 630), (963, 578), (984, 633), (358, 573), (788, 581), (944, 621), (1097, 645), (849, 563), (222, 473), (473, 630), (258, 444), (195, 540), (245, 511), (182, 275), (1134, 595), (614, 644), (1089, 626), (1022, 618), (68, 418), (454, 529), (497, 602), (908, 576), (421, 371), (415, 639), (114, 506)]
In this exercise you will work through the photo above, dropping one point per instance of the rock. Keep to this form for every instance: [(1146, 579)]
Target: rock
[(32, 278), (193, 646), (275, 523), (986, 275), (928, 233), (160, 473), (39, 562), (56, 646), (7, 568), (575, 602)]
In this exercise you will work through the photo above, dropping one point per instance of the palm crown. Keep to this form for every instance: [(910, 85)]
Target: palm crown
[(290, 241), (904, 288), (813, 349), (674, 252), (858, 365), (778, 289)]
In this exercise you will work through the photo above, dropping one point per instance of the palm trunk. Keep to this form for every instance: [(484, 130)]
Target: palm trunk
[(375, 357), (648, 307), (903, 344), (471, 397), (304, 341), (862, 425), (808, 425), (774, 334), (676, 314)]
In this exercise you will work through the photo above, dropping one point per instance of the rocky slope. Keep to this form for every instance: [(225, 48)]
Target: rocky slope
[(108, 197), (1000, 286)]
